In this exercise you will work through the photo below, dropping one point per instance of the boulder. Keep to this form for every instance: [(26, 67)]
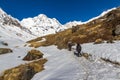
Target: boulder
[(4, 43), (98, 41), (86, 55), (33, 55)]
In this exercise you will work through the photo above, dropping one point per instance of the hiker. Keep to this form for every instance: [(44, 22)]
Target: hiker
[(78, 49), (69, 45)]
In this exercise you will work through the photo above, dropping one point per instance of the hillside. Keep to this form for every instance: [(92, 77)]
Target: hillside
[(105, 27)]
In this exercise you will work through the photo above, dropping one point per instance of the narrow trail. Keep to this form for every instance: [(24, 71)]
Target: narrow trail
[(97, 69), (81, 65)]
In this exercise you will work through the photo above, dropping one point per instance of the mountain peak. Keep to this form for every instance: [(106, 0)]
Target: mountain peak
[(42, 15)]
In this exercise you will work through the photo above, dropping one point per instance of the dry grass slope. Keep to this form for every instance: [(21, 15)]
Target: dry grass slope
[(101, 28)]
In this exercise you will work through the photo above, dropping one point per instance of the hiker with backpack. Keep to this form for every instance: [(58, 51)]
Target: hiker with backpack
[(78, 50)]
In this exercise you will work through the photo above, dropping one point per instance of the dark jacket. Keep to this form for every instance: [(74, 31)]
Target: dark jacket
[(78, 48)]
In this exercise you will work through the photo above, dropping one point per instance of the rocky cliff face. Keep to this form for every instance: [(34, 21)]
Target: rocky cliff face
[(6, 19), (11, 27)]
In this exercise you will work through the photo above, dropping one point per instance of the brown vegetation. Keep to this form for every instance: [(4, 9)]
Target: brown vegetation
[(5, 50), (113, 62), (24, 71)]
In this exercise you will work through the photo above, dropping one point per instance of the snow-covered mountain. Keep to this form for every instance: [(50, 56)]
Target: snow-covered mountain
[(30, 27), (37, 26), (42, 25)]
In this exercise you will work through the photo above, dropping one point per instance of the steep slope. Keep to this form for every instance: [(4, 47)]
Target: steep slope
[(6, 19), (12, 27), (42, 25)]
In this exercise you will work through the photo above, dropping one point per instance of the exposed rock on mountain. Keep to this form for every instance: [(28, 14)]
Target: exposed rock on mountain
[(6, 19), (11, 27)]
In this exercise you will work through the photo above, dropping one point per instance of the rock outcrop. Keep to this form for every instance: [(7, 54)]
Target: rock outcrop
[(33, 55)]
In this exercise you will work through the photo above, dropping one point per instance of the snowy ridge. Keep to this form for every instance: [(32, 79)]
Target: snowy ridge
[(102, 14), (73, 23), (8, 19)]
